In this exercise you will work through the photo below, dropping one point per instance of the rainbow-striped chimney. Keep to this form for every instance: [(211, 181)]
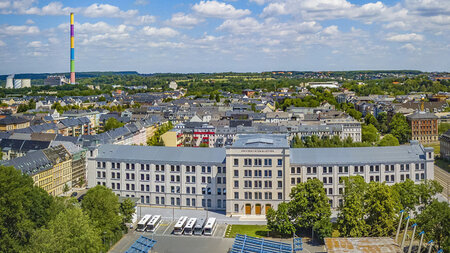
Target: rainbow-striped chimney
[(72, 51)]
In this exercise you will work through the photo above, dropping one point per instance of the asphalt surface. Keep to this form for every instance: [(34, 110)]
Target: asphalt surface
[(443, 177), (167, 242)]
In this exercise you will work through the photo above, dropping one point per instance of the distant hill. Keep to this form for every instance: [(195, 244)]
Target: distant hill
[(78, 74)]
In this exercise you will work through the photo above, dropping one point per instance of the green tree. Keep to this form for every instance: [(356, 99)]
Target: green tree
[(399, 128), (388, 140), (382, 123), (427, 189), (369, 133), (57, 106), (217, 97), (127, 210), (350, 221), (70, 231), (23, 208), (102, 206), (22, 108), (65, 188), (370, 119), (279, 220), (435, 221), (382, 207), (112, 123), (31, 104), (354, 113), (309, 207), (408, 194)]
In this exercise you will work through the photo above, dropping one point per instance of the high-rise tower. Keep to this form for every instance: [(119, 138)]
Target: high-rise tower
[(72, 51)]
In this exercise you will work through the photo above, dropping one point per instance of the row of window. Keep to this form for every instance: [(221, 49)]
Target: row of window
[(357, 169), (257, 195), (256, 184), (257, 162), (160, 168), (257, 173)]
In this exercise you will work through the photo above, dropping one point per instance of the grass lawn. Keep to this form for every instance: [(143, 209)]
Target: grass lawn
[(436, 146), (250, 230)]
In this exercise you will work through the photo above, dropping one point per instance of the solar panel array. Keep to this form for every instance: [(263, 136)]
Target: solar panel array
[(248, 244), (141, 245)]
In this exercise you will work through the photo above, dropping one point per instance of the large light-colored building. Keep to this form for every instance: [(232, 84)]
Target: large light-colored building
[(162, 176), (255, 173), (9, 82), (50, 168)]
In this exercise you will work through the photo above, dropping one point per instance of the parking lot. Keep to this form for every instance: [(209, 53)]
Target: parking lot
[(168, 242)]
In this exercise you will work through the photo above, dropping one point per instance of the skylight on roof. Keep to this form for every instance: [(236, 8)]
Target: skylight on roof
[(260, 140)]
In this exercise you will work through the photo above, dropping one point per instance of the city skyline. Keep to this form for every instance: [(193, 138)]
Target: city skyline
[(220, 36)]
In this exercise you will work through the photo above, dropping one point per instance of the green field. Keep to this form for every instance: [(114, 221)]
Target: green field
[(436, 146), (250, 230)]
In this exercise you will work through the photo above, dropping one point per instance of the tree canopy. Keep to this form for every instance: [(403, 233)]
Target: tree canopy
[(399, 128), (112, 123), (388, 140), (435, 220), (70, 231), (23, 208)]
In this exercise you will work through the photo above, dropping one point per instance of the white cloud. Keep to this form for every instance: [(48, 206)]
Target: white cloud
[(214, 9), (2, 44), (162, 32), (53, 40), (260, 2), (35, 44), (141, 20), (331, 30), (274, 9), (107, 10), (240, 26), (19, 30), (166, 44), (429, 7), (101, 33), (184, 20), (4, 4), (141, 2), (405, 37), (409, 47), (29, 22)]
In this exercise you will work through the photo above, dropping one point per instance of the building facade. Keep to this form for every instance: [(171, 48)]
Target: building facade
[(50, 168), (254, 174), (424, 127), (162, 176), (444, 140)]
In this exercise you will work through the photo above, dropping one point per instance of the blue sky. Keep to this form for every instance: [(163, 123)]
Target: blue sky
[(215, 36)]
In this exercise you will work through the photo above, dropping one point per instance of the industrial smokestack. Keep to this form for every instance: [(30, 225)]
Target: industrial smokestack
[(72, 51)]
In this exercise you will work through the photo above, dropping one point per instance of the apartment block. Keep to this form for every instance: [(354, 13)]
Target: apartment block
[(162, 176), (50, 168), (254, 174)]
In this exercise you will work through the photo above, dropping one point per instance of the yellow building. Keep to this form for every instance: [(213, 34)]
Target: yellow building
[(51, 168), (10, 123), (62, 168), (173, 138)]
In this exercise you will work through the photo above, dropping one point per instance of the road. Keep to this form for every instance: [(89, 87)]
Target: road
[(443, 177)]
